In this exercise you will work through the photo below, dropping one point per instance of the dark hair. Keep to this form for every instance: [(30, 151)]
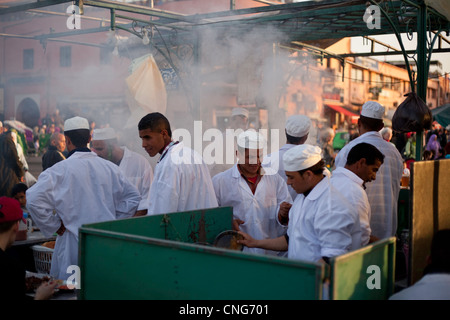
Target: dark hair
[(317, 169), (79, 138), (440, 253), (18, 188), (5, 226), (371, 124), (156, 122), (366, 151), (11, 169), (295, 140)]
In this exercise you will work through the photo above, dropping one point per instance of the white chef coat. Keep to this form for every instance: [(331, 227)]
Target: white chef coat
[(321, 224), (259, 211), (181, 183), (140, 173), (384, 191), (82, 189), (275, 161), (351, 187), (432, 286)]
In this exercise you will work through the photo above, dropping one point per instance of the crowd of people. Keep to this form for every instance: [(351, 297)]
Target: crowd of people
[(305, 201)]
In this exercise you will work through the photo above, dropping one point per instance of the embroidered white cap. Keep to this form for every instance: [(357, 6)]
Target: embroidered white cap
[(298, 125), (251, 139), (238, 111), (301, 157), (372, 109), (76, 123), (104, 134)]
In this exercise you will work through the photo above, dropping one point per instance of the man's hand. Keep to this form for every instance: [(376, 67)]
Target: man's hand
[(45, 290), (140, 213), (236, 223), (247, 240), (283, 213), (61, 230)]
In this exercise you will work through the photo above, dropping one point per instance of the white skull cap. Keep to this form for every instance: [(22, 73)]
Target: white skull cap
[(251, 139), (104, 134), (76, 123), (298, 125), (239, 112), (301, 157), (372, 109)]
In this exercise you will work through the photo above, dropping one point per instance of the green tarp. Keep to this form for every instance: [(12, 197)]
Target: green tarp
[(442, 114)]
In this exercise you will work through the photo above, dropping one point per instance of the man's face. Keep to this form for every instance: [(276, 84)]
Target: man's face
[(297, 181), (369, 172), (22, 198), (240, 122), (60, 143), (152, 142), (251, 160), (100, 148)]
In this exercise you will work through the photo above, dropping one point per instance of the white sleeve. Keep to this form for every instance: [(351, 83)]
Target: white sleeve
[(333, 227), (40, 204), (127, 198)]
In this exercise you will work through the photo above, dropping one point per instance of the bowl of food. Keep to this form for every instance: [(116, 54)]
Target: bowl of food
[(229, 240)]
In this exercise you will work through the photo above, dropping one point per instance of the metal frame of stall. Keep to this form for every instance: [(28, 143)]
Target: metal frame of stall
[(299, 22)]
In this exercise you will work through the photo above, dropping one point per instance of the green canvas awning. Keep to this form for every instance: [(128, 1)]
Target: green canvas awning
[(442, 114)]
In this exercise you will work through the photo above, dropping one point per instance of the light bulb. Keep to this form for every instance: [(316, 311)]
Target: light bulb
[(145, 39)]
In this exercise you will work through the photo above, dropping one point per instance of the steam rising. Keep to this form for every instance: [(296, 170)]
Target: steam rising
[(246, 64)]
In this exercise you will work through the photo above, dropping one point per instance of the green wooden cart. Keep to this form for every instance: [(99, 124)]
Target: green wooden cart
[(171, 256)]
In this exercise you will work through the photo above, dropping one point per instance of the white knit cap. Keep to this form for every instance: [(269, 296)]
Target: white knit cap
[(76, 123), (104, 134), (251, 139), (239, 112), (372, 109), (301, 157), (298, 125)]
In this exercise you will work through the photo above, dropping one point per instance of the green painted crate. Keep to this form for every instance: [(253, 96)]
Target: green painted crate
[(158, 257), (364, 274)]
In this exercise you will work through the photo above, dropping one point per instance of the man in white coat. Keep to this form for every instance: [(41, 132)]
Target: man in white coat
[(255, 196), (133, 165), (82, 189), (296, 131), (363, 162), (322, 223), (384, 191), (181, 181)]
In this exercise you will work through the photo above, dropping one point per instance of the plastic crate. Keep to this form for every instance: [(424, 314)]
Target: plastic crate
[(42, 258)]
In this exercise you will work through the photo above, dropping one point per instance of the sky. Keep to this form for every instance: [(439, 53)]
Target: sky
[(358, 46)]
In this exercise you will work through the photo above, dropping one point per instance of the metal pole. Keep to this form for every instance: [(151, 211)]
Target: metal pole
[(113, 19), (422, 71)]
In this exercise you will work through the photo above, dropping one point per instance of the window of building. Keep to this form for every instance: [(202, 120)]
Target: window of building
[(375, 80), (387, 82), (396, 84), (65, 56), (28, 58), (357, 75)]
